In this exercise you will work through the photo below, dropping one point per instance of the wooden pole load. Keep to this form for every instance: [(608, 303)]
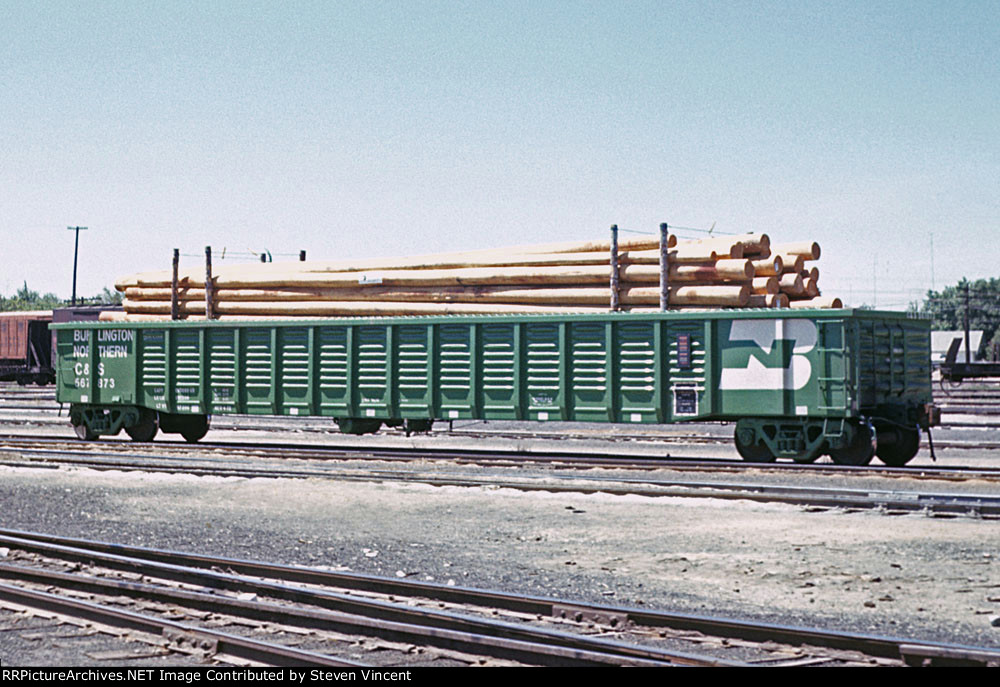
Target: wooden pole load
[(792, 284), (469, 276), (765, 285), (734, 246), (720, 270), (569, 298), (768, 267), (768, 300), (807, 249), (821, 302), (791, 263), (634, 275), (588, 252), (758, 245), (276, 273), (422, 283)]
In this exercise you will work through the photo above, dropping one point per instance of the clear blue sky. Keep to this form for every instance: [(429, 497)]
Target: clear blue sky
[(392, 128)]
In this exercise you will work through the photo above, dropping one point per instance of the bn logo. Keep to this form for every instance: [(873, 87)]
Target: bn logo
[(764, 333)]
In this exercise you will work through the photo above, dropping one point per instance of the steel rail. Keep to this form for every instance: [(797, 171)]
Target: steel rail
[(970, 410), (47, 409), (613, 616), (461, 456), (956, 424), (666, 440), (537, 652), (347, 613), (202, 638), (976, 505)]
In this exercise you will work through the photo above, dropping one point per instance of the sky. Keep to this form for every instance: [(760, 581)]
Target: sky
[(372, 128)]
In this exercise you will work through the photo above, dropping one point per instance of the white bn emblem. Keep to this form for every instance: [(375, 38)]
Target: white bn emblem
[(755, 376)]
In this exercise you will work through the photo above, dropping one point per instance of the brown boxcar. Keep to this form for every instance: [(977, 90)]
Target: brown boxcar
[(26, 347)]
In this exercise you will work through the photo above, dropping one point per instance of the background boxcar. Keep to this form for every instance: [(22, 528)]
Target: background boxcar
[(26, 347), (799, 383)]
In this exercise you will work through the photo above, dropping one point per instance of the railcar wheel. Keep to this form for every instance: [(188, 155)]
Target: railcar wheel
[(753, 453), (859, 451), (195, 428), (84, 432), (418, 426), (900, 446), (193, 436), (145, 429), (354, 425)]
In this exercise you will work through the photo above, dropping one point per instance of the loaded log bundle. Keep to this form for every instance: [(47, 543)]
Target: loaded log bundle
[(627, 274)]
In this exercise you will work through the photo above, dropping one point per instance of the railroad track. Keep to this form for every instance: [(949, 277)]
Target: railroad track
[(885, 501), (30, 445), (665, 439), (169, 635), (677, 435), (455, 624), (325, 425), (406, 635)]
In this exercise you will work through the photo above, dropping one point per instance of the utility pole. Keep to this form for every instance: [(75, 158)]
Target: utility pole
[(968, 353), (932, 261), (875, 281), (76, 254)]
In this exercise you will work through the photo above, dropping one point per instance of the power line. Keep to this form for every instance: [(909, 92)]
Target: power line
[(673, 228), (710, 230)]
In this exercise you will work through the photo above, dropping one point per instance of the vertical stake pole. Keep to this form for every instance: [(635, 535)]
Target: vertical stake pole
[(209, 287), (174, 314), (614, 268), (664, 269)]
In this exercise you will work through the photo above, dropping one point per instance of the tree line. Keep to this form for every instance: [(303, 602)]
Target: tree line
[(27, 299), (946, 310)]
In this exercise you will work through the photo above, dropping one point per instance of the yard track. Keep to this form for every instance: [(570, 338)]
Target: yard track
[(37, 447), (529, 629), (882, 500)]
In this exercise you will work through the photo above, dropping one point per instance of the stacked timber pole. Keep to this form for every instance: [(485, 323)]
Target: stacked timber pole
[(647, 274)]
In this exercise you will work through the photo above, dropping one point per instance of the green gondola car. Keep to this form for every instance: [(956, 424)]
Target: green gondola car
[(797, 383)]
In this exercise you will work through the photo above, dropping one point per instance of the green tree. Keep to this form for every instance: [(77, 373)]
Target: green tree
[(947, 309), (26, 299), (108, 297)]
